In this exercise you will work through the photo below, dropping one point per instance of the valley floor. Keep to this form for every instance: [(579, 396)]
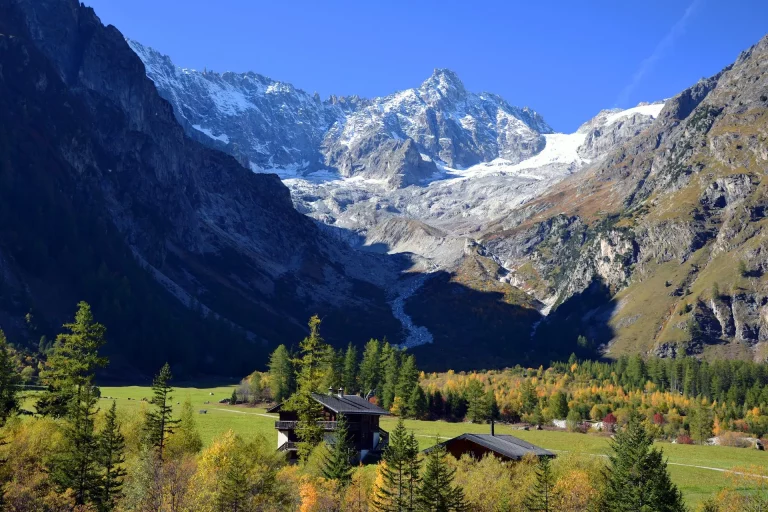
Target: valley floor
[(699, 471)]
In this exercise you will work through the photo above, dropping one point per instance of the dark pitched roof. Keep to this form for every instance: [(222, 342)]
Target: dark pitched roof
[(506, 445), (344, 404)]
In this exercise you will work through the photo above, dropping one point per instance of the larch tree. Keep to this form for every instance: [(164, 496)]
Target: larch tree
[(160, 424), (311, 366), (186, 439), (281, 378)]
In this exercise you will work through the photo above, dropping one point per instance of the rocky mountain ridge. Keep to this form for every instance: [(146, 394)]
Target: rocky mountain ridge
[(272, 126), (669, 226)]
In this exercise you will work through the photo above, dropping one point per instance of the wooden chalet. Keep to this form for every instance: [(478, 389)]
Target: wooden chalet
[(362, 423), (504, 447)]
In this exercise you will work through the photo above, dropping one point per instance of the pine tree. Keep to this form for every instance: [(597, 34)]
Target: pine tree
[(528, 397), (558, 405), (234, 493), (111, 457), (76, 466), (390, 359), (437, 492), (311, 367), (186, 439), (281, 378), (492, 405), (408, 379), (349, 375), (338, 463), (9, 382), (72, 363), (477, 410), (399, 472), (417, 403), (233, 399), (637, 477), (160, 424), (540, 498), (334, 369), (69, 375), (370, 368), (701, 422)]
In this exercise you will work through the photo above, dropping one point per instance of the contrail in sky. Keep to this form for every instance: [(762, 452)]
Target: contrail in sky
[(667, 42)]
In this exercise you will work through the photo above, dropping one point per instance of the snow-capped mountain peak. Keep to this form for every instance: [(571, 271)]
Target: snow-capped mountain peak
[(443, 84)]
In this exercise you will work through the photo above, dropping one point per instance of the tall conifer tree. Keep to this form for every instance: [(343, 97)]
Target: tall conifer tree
[(338, 462), (160, 424), (637, 477), (111, 457), (437, 492), (311, 367), (349, 377), (9, 382), (69, 374), (541, 498), (281, 374), (399, 472)]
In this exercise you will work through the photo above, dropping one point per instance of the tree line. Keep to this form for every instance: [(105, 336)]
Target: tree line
[(384, 372), (73, 456)]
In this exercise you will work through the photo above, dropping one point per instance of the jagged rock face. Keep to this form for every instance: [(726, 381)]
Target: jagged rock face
[(686, 198), (611, 128), (271, 125), (447, 123), (267, 124)]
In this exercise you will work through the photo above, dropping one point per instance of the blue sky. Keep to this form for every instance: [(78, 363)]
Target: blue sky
[(565, 59)]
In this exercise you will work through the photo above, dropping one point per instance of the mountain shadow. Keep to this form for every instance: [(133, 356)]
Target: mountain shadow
[(472, 329), (579, 325)]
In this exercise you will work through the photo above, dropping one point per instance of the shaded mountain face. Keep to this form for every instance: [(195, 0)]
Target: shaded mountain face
[(185, 255), (671, 224)]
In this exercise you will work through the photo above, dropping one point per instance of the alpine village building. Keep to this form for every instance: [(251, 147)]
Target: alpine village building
[(366, 437), (503, 447)]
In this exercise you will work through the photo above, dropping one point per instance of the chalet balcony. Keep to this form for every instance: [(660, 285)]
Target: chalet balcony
[(288, 446), (326, 425)]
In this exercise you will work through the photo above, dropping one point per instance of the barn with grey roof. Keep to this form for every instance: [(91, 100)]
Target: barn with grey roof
[(504, 447)]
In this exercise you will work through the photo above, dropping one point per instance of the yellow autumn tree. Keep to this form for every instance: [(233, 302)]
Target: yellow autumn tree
[(574, 492), (359, 491)]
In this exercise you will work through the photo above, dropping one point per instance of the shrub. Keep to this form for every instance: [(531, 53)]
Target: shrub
[(734, 439), (684, 439)]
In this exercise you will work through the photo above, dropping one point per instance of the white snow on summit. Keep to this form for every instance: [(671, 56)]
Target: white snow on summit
[(652, 110)]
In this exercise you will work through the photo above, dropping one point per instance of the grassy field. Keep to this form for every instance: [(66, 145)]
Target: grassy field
[(696, 483)]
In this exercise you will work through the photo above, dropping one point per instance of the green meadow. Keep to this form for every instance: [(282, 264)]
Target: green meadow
[(696, 483)]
